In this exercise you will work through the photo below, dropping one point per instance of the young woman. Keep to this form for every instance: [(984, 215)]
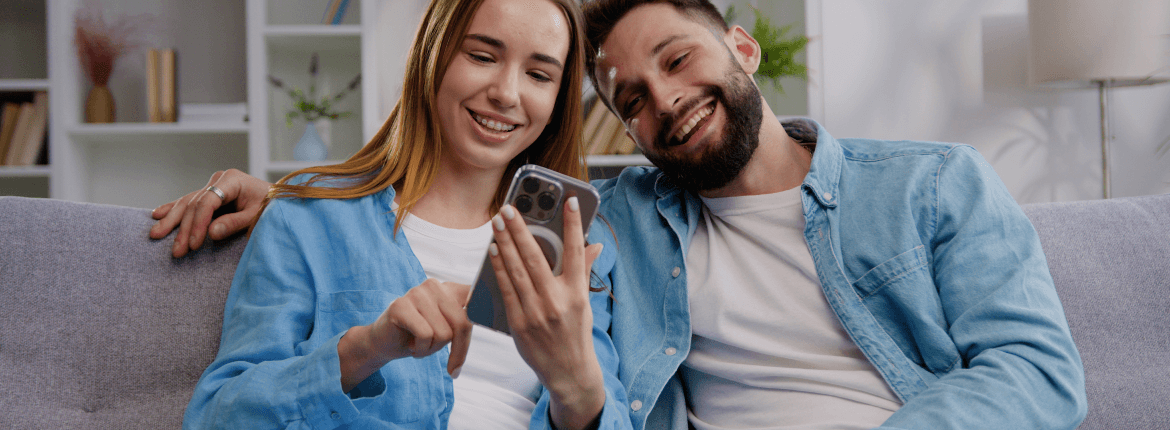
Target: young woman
[(354, 278)]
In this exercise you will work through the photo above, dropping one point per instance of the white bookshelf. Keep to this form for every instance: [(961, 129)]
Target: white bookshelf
[(25, 71), (14, 85), (286, 33), (617, 160)]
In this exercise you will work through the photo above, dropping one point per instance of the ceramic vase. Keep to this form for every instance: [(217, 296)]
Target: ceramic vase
[(310, 147), (99, 105)]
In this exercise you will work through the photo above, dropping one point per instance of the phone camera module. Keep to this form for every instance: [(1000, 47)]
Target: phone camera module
[(546, 201), (530, 185), (524, 204)]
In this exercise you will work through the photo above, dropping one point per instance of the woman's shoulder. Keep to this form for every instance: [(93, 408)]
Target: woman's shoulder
[(297, 210)]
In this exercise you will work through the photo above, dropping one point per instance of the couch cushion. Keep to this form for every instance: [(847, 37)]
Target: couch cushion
[(99, 326), (1110, 260)]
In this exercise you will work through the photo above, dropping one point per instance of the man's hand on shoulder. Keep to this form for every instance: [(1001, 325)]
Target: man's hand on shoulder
[(192, 213)]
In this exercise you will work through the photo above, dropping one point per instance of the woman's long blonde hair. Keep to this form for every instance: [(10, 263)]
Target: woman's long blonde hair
[(405, 152)]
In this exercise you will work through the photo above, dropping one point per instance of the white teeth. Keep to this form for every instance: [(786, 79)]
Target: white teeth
[(493, 124), (686, 128)]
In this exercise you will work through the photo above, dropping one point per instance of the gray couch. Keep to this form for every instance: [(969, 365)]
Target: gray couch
[(100, 328)]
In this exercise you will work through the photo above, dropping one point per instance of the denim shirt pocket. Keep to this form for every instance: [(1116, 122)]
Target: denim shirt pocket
[(412, 389), (890, 271), (901, 294)]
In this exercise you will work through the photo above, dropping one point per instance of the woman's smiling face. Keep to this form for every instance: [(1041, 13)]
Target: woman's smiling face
[(500, 90)]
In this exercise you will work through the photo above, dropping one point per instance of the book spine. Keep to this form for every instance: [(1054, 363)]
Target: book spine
[(153, 86), (340, 12), (20, 135), (36, 132), (168, 86), (7, 127)]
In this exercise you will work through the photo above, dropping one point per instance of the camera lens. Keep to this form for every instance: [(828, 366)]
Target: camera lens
[(524, 204), (546, 201), (530, 185)]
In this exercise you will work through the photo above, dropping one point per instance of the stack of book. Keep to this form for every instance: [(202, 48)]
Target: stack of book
[(162, 85), (605, 134), (22, 130)]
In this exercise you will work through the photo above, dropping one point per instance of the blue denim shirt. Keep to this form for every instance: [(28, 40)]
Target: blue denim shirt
[(312, 269), (928, 262)]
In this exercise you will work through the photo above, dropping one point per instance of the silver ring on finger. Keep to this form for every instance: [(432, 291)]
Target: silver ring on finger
[(217, 192)]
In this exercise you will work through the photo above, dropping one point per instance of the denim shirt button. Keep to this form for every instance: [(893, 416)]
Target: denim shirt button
[(636, 405), (676, 271), (671, 351), (828, 197), (335, 415)]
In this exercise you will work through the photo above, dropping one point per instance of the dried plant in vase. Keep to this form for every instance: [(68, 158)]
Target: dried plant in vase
[(99, 45)]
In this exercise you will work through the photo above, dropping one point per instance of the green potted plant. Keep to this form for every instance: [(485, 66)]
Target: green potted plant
[(316, 110), (779, 49)]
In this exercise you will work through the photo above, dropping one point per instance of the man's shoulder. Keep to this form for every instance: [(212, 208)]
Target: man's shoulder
[(636, 179), (876, 149)]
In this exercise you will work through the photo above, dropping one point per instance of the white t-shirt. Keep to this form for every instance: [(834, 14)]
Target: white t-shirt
[(767, 350), (496, 389)]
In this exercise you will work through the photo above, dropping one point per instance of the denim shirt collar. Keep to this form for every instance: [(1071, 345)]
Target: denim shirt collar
[(824, 175), (822, 180)]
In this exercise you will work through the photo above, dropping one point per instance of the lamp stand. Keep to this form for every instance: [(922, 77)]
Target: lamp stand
[(1103, 91)]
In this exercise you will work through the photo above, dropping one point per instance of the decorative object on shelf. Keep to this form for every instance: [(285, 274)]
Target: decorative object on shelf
[(779, 52), (310, 147), (99, 45), (1082, 44), (335, 12), (162, 85), (315, 111)]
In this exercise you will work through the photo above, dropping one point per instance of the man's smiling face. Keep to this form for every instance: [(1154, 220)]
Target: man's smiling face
[(682, 93)]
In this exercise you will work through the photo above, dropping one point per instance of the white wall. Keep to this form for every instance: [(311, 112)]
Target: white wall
[(955, 71), (947, 71)]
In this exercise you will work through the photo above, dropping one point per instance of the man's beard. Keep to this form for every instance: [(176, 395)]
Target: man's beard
[(721, 161)]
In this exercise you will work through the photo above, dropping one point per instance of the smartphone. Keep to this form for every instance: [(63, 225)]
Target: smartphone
[(539, 195)]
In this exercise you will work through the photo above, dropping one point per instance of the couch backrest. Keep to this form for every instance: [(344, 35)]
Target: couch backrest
[(1110, 260), (99, 326)]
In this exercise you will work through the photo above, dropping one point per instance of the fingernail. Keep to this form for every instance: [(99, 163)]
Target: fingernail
[(494, 250), (455, 373), (218, 230), (498, 223), (191, 241), (573, 205), (508, 212)]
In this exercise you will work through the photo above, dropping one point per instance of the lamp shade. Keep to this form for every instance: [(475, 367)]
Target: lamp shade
[(1078, 43)]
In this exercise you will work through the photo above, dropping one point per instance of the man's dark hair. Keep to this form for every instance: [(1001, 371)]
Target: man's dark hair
[(602, 15)]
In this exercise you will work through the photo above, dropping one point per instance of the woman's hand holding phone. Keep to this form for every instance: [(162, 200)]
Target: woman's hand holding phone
[(550, 317)]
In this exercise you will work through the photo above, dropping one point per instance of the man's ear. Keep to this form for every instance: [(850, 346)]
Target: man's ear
[(745, 49)]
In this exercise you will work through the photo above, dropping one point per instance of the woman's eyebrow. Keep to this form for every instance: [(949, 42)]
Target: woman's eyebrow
[(499, 44)]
